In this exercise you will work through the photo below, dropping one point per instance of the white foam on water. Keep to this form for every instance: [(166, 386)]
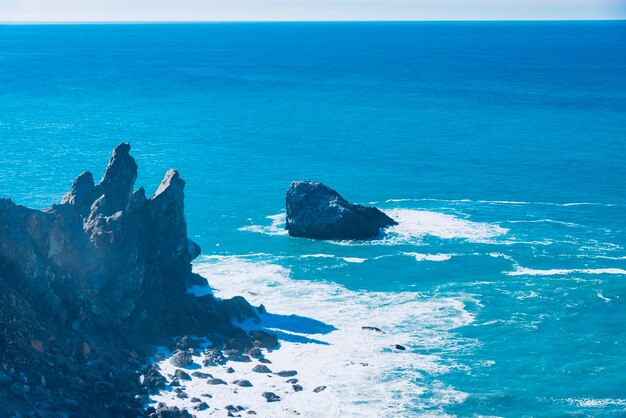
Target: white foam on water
[(549, 221), (415, 224), (429, 257), (604, 298), (523, 271), (596, 403), (502, 202), (501, 255), (277, 226), (317, 256), (354, 260), (365, 376)]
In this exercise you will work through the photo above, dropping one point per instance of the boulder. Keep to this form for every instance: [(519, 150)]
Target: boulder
[(181, 358), (243, 383), (319, 212), (216, 381), (287, 373), (259, 368), (262, 339), (181, 375), (271, 397)]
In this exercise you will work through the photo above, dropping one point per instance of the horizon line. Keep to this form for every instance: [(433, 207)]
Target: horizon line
[(88, 22)]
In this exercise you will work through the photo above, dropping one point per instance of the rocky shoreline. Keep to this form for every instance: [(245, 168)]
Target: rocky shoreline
[(91, 286)]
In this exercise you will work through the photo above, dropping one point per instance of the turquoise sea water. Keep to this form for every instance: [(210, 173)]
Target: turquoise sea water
[(498, 146)]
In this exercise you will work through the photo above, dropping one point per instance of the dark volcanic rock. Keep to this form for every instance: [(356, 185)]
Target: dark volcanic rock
[(88, 284), (202, 406), (263, 339), (319, 389), (216, 381), (243, 383), (259, 368), (181, 358), (271, 397), (153, 380), (181, 375), (213, 356), (201, 375), (317, 211), (372, 329), (399, 347), (287, 373)]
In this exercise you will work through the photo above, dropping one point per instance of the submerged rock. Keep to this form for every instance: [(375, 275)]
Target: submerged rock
[(317, 211)]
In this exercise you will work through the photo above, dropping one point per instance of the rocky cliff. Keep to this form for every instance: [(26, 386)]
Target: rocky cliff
[(86, 283)]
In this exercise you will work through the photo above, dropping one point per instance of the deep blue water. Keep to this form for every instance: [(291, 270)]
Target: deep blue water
[(500, 145)]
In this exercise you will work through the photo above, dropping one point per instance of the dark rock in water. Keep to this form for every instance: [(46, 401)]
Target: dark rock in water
[(201, 375), (259, 368), (255, 353), (181, 375), (202, 406), (265, 361), (372, 329), (181, 358), (317, 211), (243, 383), (271, 397), (319, 389), (164, 411), (399, 347), (153, 380), (216, 381), (297, 388), (262, 339), (286, 373), (186, 343), (292, 380), (252, 412), (90, 285), (195, 400), (230, 370), (175, 383), (241, 358), (213, 357)]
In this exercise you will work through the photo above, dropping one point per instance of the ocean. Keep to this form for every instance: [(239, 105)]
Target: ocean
[(498, 147)]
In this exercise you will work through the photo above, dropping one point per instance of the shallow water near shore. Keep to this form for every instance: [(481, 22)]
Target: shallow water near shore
[(498, 147)]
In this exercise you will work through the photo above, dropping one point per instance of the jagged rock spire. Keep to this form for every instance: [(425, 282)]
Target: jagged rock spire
[(118, 180)]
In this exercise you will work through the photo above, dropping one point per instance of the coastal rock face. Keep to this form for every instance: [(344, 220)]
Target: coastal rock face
[(84, 284), (317, 211), (108, 257)]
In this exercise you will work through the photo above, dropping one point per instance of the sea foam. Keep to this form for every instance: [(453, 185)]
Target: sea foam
[(321, 337)]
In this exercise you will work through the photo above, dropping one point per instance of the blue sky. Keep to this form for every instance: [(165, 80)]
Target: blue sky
[(280, 10)]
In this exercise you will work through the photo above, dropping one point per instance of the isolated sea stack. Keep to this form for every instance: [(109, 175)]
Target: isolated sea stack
[(86, 284), (317, 211)]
